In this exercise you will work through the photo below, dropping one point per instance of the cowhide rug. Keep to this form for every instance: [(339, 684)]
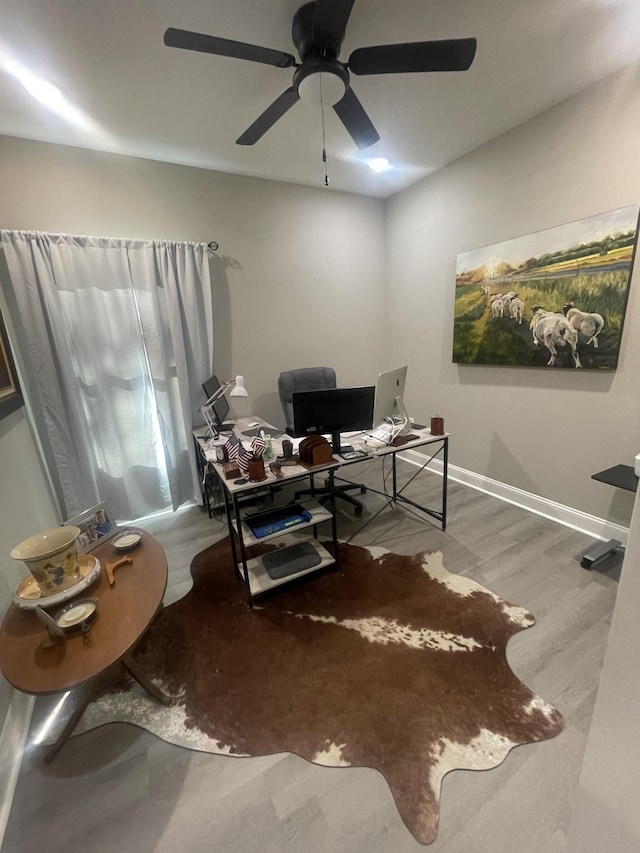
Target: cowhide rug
[(390, 662)]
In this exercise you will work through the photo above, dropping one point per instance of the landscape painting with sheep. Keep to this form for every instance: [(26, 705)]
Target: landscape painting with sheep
[(553, 299)]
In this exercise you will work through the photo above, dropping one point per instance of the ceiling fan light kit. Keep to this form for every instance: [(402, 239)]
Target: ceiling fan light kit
[(321, 78), (321, 83)]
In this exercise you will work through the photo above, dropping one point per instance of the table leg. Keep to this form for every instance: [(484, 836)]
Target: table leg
[(141, 677), (84, 698)]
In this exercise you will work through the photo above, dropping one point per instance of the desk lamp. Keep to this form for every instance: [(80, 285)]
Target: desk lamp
[(237, 390)]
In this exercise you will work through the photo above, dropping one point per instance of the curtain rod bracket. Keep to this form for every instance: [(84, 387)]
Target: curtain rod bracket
[(213, 246)]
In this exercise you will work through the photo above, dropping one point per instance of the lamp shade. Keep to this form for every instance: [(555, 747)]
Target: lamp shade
[(238, 389)]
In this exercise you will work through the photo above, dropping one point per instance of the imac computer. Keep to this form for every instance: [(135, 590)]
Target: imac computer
[(389, 403), (332, 411), (220, 407)]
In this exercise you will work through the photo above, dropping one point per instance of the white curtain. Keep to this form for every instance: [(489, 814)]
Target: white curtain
[(117, 337)]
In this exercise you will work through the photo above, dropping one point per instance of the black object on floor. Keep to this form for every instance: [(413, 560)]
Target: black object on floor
[(599, 551), (622, 477)]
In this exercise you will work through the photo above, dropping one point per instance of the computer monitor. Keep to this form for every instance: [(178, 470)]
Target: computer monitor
[(221, 406), (389, 388), (332, 411)]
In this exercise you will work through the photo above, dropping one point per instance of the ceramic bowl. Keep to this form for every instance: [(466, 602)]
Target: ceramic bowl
[(51, 558)]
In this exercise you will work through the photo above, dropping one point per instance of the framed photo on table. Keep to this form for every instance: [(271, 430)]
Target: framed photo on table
[(10, 395), (96, 526)]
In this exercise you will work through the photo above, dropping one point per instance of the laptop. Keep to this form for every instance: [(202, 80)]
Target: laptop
[(220, 407)]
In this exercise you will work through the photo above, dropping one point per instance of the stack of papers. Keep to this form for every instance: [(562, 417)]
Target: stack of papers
[(383, 433)]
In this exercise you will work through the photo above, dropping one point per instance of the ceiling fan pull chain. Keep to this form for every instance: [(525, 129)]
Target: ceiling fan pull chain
[(324, 139)]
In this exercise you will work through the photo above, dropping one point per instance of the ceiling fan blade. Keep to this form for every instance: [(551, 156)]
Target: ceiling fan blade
[(225, 47), (269, 117), (352, 115), (330, 19), (448, 55)]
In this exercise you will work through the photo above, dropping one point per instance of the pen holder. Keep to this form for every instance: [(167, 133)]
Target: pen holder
[(287, 448), (255, 470), (437, 426)]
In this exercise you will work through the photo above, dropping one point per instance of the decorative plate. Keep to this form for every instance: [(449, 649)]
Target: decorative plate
[(28, 595), (126, 540)]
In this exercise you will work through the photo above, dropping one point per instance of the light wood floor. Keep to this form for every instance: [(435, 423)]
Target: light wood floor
[(119, 788)]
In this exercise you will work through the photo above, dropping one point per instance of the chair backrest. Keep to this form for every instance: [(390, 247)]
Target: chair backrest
[(302, 379)]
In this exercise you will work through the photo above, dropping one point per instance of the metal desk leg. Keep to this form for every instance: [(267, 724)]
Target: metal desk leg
[(399, 496), (394, 476), (334, 524), (445, 481), (243, 550), (231, 505), (203, 470)]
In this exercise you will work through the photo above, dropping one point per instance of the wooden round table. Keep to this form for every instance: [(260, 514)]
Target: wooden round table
[(34, 663)]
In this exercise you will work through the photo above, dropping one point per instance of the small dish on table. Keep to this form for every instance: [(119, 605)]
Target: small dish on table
[(126, 540)]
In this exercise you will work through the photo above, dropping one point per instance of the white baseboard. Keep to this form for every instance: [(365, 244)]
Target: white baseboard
[(593, 526), (13, 739)]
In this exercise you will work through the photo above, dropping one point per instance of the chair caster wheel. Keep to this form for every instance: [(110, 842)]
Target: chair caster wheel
[(357, 510), (363, 490)]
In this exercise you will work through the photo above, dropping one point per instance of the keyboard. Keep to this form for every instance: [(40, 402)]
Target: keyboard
[(291, 560), (273, 521)]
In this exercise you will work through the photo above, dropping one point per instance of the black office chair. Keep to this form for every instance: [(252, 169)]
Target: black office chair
[(314, 379)]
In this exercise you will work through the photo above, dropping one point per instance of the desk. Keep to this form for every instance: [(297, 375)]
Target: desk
[(252, 572), (33, 664), (622, 477)]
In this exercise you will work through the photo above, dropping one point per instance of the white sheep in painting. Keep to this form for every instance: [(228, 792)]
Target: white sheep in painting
[(516, 309), (554, 330), (589, 325), (497, 307)]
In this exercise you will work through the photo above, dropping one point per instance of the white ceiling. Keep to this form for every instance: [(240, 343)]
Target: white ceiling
[(148, 100)]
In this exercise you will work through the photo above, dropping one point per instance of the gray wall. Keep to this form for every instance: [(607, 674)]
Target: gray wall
[(298, 277), (541, 431)]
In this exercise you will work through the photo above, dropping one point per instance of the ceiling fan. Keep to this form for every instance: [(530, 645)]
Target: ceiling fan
[(317, 31)]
